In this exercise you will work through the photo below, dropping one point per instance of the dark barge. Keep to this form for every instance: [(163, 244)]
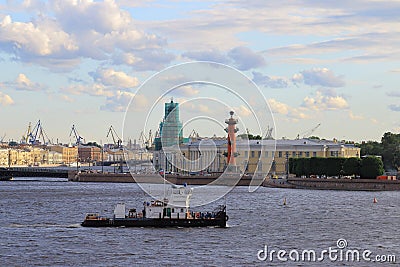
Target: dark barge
[(172, 212)]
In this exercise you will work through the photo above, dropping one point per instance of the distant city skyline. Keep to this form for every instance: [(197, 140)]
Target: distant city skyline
[(79, 63)]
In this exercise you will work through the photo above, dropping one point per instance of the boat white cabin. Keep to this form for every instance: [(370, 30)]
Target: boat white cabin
[(176, 206)]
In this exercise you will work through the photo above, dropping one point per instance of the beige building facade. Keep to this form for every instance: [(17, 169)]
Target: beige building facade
[(69, 153), (253, 156)]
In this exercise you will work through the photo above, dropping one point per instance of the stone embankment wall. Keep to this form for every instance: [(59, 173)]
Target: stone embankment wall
[(344, 184), (154, 178)]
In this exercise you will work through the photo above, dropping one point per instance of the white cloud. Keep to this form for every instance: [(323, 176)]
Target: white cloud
[(244, 58), (186, 90), (95, 89), (394, 107), (241, 57), (67, 31), (243, 111), (5, 99), (146, 59), (319, 77), (121, 99), (102, 17), (394, 94), (352, 116), (42, 37), (284, 109), (269, 81), (213, 55), (321, 102), (110, 77), (278, 107), (67, 98), (23, 83)]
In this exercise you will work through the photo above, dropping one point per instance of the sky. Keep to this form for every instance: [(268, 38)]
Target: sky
[(80, 62)]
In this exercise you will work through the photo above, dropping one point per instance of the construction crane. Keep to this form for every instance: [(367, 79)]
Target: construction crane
[(268, 134), (78, 138), (1, 140), (142, 140), (194, 134), (36, 135), (146, 142), (25, 138), (149, 142), (308, 132), (116, 140)]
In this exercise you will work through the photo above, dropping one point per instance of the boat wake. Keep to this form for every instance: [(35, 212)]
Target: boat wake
[(44, 225)]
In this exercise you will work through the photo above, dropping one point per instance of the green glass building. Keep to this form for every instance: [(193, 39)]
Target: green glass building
[(170, 129)]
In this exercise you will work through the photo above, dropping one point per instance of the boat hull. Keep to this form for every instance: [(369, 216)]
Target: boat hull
[(150, 222), (6, 178)]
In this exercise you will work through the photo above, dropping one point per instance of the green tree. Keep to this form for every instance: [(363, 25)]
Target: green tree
[(250, 136), (299, 167), (391, 150), (351, 166), (318, 166), (92, 144), (371, 167), (371, 148), (292, 163), (334, 166), (306, 166)]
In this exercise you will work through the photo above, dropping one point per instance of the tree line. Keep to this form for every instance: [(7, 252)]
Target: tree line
[(388, 149), (368, 167)]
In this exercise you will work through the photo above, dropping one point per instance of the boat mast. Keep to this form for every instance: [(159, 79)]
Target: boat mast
[(165, 170)]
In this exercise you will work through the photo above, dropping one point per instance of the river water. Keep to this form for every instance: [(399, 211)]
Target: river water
[(40, 226)]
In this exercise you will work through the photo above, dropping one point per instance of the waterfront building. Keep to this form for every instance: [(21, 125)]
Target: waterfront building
[(55, 158), (89, 153), (113, 155), (4, 157), (69, 153), (272, 156)]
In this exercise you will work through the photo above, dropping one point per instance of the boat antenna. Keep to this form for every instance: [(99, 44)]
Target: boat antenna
[(225, 202), (165, 170)]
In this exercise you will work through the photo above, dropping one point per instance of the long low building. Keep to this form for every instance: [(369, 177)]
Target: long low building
[(260, 156)]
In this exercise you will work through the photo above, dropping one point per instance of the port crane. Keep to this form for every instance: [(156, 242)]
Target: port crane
[(308, 132), (194, 134), (268, 134), (116, 140), (36, 134), (25, 138), (1, 140), (146, 142), (78, 138)]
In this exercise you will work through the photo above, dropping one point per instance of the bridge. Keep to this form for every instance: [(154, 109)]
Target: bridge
[(34, 172)]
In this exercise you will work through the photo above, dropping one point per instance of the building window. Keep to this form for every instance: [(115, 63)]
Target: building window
[(280, 154), (314, 154), (259, 154), (252, 154), (246, 154), (307, 154), (273, 154), (266, 154), (293, 154), (300, 154)]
